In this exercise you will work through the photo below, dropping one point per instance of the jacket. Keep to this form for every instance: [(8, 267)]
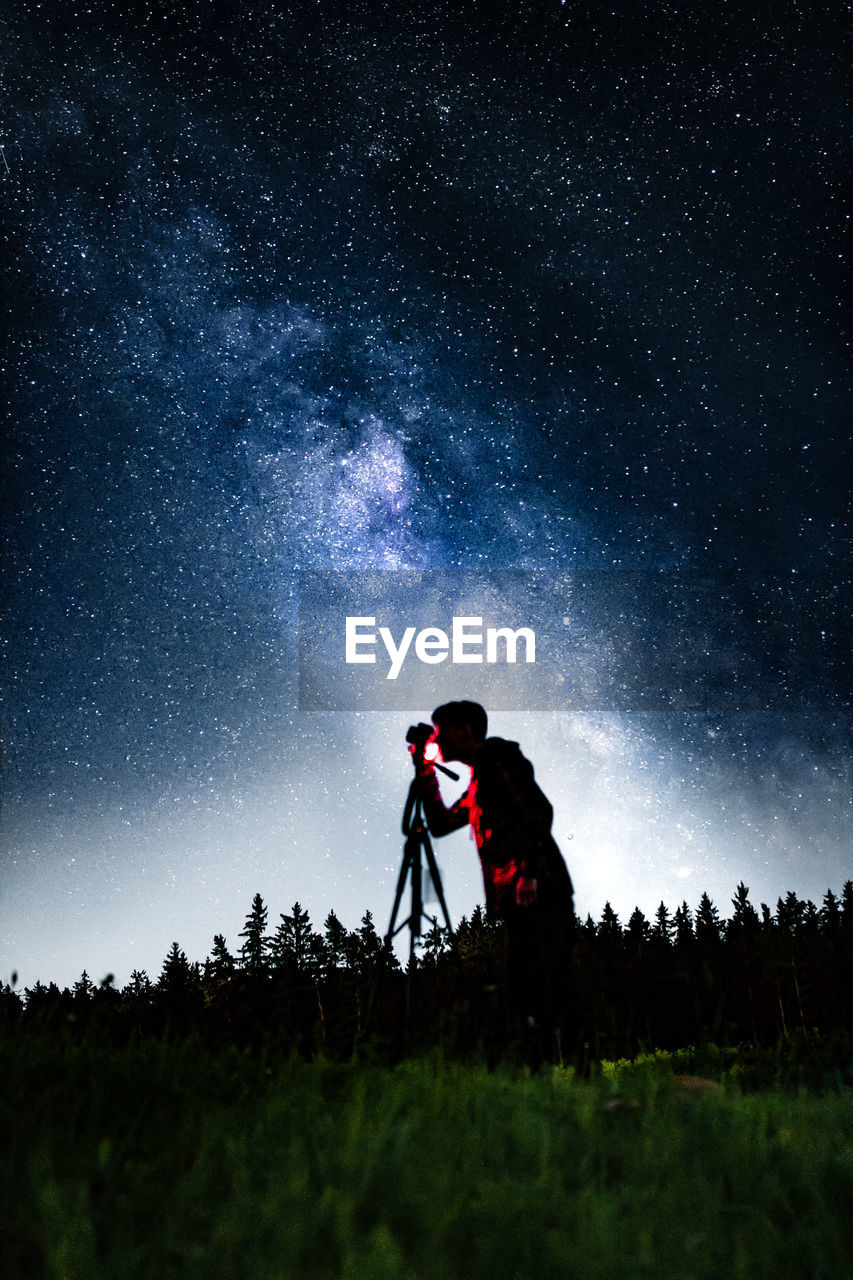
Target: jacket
[(510, 818)]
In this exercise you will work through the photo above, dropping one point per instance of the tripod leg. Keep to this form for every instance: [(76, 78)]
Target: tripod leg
[(439, 889), (435, 874), (401, 884), (413, 854)]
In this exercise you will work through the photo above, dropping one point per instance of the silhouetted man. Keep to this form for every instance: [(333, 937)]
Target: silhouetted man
[(526, 880)]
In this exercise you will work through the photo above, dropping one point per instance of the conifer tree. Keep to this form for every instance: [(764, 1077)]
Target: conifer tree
[(589, 928), (139, 985), (221, 962), (663, 928), (177, 972), (638, 929), (743, 932), (684, 934), (847, 902), (478, 940), (707, 921), (84, 987), (293, 946), (334, 943), (368, 950), (745, 916), (830, 913), (790, 914), (34, 995), (609, 926), (253, 953), (434, 944), (478, 917), (811, 917), (11, 1004)]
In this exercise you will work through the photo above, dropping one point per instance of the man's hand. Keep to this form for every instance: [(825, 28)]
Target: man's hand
[(526, 890)]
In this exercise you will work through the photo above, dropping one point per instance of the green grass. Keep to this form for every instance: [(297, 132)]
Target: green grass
[(168, 1160)]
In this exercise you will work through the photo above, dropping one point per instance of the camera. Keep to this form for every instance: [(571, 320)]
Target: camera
[(418, 735), (423, 745)]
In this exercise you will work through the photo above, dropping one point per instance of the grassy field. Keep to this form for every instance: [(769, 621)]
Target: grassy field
[(168, 1160)]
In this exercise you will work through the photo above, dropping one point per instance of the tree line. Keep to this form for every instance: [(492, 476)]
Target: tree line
[(685, 977)]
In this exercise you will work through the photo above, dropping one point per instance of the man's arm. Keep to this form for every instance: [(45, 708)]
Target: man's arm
[(440, 819)]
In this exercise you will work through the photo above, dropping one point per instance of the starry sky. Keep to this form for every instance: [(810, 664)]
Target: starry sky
[(293, 288)]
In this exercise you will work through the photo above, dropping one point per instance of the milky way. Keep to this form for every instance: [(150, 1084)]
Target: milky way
[(311, 287)]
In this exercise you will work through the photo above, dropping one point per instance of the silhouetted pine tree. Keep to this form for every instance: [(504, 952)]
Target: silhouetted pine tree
[(830, 914), (662, 991), (745, 917), (433, 945), (635, 995), (295, 947), (84, 987), (708, 975), (11, 1005), (609, 928), (221, 964), (845, 952), (686, 963), (684, 935), (177, 972), (744, 985), (480, 943), (604, 986), (811, 919), (790, 915), (368, 952), (797, 925), (638, 931), (780, 931), (45, 1006), (253, 953), (707, 927), (179, 994), (140, 985), (847, 902), (334, 944), (663, 929)]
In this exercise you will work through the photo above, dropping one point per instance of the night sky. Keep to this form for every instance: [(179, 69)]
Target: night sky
[(363, 286)]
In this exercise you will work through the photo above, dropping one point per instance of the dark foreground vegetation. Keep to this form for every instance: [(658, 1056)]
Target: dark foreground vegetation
[(305, 1109), (168, 1159)]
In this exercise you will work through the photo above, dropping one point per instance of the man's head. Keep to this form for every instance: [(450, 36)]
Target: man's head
[(462, 728)]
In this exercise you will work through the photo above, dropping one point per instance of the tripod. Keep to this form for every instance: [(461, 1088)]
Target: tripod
[(417, 847)]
